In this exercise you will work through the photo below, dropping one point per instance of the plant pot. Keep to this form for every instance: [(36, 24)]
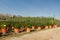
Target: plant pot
[(46, 27), (33, 27), (28, 30), (54, 26), (8, 29), (22, 29), (39, 28), (50, 26), (3, 30), (16, 30)]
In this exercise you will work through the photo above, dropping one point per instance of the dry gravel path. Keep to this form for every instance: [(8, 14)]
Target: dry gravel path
[(50, 34)]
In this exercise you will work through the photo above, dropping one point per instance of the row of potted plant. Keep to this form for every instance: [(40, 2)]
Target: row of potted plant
[(20, 26)]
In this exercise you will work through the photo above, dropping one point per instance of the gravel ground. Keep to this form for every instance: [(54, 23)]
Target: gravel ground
[(50, 34)]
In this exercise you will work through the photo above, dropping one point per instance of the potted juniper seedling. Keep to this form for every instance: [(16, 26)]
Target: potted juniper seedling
[(28, 26), (39, 26), (16, 28), (3, 28), (33, 26)]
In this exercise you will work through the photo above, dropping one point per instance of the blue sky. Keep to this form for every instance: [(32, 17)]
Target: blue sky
[(31, 7)]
